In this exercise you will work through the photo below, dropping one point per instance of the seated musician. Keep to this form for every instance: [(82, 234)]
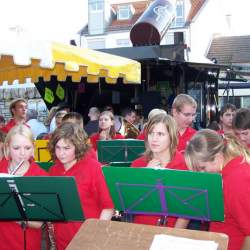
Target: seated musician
[(19, 151), (208, 151), (241, 125), (58, 118), (153, 112), (2, 138), (184, 113), (161, 152), (106, 129), (71, 153)]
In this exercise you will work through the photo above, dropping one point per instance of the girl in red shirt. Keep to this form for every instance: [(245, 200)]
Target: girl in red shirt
[(161, 152), (210, 152), (71, 152), (106, 129), (19, 151)]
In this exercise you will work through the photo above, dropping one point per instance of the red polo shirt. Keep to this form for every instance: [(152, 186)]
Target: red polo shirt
[(142, 135), (11, 233), (96, 137), (177, 163), (12, 123), (236, 189), (93, 192), (184, 139)]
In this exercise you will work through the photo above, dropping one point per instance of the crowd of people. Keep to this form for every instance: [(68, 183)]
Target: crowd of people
[(170, 142)]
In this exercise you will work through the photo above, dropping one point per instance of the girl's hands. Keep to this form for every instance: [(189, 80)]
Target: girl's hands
[(104, 135), (154, 163)]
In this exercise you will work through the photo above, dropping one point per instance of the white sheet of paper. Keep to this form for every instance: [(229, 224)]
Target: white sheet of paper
[(163, 242)]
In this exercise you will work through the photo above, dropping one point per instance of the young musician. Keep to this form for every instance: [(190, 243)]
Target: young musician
[(227, 114), (106, 129), (18, 110), (184, 112), (241, 125), (70, 150), (19, 151), (161, 152), (74, 117), (2, 138), (208, 151), (153, 112)]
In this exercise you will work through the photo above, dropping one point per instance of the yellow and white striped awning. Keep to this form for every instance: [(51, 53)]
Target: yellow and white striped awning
[(20, 60)]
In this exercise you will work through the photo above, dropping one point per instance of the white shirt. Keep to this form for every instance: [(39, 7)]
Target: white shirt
[(37, 127)]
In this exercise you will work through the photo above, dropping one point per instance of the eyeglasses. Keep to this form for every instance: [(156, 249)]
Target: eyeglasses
[(187, 115)]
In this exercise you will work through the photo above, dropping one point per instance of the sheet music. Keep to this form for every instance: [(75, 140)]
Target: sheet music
[(163, 242)]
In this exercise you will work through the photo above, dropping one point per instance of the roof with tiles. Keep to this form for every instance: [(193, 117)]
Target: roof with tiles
[(230, 49), (195, 8), (140, 7)]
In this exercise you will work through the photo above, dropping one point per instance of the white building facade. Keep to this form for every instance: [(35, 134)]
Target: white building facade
[(196, 23)]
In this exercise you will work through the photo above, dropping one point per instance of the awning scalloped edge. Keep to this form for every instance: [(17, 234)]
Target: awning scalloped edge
[(10, 72)]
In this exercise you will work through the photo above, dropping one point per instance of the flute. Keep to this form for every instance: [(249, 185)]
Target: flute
[(13, 171)]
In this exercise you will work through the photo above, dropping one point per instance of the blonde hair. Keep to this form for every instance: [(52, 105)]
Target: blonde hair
[(154, 112), (73, 133), (206, 143), (181, 100), (171, 127), (20, 129)]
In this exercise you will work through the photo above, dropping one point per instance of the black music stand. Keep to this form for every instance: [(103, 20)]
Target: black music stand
[(39, 199)]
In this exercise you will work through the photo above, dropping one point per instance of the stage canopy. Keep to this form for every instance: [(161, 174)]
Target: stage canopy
[(20, 60)]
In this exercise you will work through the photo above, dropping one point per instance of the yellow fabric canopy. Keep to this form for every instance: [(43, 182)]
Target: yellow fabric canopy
[(20, 60)]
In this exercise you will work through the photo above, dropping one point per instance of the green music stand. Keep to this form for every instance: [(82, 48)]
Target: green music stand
[(45, 165), (39, 199), (119, 152), (164, 192)]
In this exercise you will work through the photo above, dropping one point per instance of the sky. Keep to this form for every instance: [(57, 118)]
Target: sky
[(57, 20), (60, 20)]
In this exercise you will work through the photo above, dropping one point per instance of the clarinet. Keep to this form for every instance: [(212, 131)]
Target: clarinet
[(14, 170), (51, 234)]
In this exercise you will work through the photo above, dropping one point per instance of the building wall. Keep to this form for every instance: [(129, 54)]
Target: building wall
[(208, 23), (198, 36)]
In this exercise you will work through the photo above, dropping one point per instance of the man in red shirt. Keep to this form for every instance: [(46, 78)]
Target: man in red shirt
[(184, 112), (18, 110), (241, 125)]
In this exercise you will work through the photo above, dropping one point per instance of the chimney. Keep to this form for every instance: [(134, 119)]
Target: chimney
[(229, 24)]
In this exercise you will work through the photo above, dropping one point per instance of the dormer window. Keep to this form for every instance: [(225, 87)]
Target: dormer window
[(179, 20), (125, 12), (96, 6)]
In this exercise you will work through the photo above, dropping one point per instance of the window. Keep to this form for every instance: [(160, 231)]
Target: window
[(123, 43), (96, 43), (179, 20), (96, 6), (124, 12)]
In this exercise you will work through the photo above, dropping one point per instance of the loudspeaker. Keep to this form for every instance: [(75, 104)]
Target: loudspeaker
[(150, 100)]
